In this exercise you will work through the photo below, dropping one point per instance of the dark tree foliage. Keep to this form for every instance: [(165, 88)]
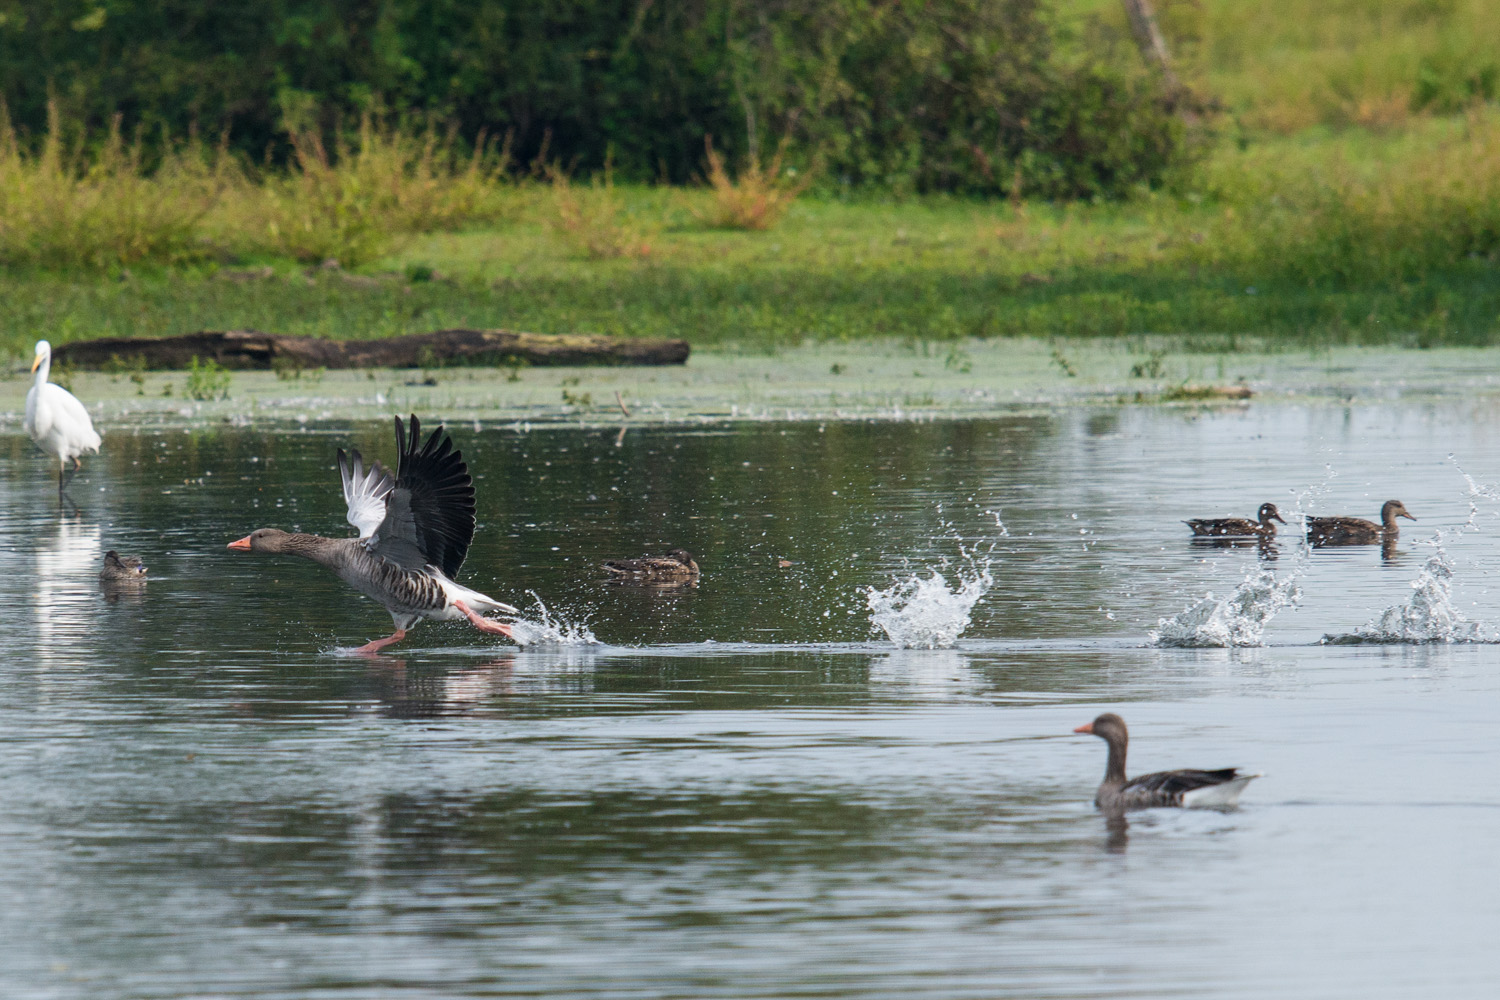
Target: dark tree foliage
[(960, 95)]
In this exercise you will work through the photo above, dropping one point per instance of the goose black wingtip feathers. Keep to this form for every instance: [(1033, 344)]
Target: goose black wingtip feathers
[(441, 492)]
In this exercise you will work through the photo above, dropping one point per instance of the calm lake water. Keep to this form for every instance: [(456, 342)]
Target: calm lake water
[(743, 789)]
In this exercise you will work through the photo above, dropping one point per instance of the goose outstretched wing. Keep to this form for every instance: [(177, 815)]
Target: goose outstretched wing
[(429, 513), (365, 493)]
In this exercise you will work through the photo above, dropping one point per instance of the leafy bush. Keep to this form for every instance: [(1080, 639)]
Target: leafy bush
[(954, 95)]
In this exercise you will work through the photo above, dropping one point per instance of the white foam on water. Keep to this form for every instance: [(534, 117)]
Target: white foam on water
[(541, 628), (1237, 620), (928, 612), (917, 612), (1428, 617)]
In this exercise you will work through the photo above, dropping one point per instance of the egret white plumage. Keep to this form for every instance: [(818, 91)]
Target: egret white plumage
[(56, 420)]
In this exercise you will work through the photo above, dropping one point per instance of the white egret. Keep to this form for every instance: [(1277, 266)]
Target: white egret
[(56, 420)]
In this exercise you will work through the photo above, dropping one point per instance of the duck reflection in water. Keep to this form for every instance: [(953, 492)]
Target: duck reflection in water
[(1264, 545)]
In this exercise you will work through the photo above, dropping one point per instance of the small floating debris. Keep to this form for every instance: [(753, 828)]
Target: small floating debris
[(1428, 617), (1237, 620)]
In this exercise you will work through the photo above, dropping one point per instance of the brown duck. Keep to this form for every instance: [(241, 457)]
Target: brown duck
[(1226, 527), (676, 565), (1188, 789), (120, 569), (414, 531), (1356, 530)]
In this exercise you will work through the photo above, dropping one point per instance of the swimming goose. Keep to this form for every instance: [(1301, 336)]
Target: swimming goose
[(675, 565), (1220, 527), (1191, 789), (414, 531), (56, 420), (1356, 530), (120, 569)]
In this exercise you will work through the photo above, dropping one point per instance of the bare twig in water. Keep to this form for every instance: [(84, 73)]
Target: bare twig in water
[(621, 400)]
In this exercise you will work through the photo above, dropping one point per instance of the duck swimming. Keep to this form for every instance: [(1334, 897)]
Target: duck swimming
[(1356, 530), (56, 420), (120, 569), (1222, 527), (675, 565), (1188, 789), (414, 531)]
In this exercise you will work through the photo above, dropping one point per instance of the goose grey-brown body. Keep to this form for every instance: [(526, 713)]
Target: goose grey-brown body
[(1213, 789), (675, 565), (1356, 530), (415, 529), (1228, 527)]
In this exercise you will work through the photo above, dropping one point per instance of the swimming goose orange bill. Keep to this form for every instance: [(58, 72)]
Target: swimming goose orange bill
[(414, 531)]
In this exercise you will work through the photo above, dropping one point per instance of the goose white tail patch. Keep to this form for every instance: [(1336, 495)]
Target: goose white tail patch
[(1224, 796)]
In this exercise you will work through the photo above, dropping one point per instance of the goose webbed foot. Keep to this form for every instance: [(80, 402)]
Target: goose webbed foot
[(484, 624), (376, 645)]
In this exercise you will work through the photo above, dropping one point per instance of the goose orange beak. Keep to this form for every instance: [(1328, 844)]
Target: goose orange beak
[(36, 362), (1087, 727), (243, 545)]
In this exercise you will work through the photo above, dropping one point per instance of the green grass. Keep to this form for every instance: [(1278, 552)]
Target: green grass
[(931, 269)]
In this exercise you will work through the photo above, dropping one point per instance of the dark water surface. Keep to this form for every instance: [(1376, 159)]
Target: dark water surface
[(741, 790)]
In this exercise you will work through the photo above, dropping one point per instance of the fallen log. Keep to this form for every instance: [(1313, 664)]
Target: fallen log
[(242, 349)]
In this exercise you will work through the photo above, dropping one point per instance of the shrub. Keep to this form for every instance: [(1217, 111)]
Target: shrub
[(207, 380), (758, 198), (384, 182), (63, 204), (594, 218), (1430, 211)]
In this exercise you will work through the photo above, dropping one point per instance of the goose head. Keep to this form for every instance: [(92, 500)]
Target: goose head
[(268, 540)]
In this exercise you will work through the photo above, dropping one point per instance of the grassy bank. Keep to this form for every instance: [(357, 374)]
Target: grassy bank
[(1351, 195), (1348, 238)]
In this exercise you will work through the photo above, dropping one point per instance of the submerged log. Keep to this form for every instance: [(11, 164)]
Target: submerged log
[(253, 349)]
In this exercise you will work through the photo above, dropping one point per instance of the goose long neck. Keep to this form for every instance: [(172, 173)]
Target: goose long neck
[(1114, 771), (315, 547)]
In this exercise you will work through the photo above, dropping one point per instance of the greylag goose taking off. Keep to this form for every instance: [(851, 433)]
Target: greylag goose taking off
[(1356, 530), (1228, 527), (1192, 789), (120, 569), (675, 565), (414, 531), (56, 420)]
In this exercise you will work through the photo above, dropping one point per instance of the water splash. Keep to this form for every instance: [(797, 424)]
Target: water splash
[(541, 628), (917, 612), (1237, 620), (930, 613), (1428, 617)]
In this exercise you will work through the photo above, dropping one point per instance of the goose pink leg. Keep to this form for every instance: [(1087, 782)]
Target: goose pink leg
[(376, 645), (484, 624)]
